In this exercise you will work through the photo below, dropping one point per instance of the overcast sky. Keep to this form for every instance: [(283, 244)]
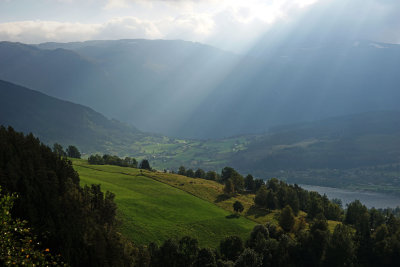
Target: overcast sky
[(228, 24)]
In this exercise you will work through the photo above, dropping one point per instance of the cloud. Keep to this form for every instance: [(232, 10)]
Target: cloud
[(357, 19), (185, 27), (229, 24), (41, 31)]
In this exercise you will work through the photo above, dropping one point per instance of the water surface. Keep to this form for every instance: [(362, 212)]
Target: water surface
[(369, 199)]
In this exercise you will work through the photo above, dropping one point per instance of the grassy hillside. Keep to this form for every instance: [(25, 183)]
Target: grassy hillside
[(153, 212), (156, 206)]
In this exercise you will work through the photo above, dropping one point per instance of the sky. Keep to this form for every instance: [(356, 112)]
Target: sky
[(234, 25)]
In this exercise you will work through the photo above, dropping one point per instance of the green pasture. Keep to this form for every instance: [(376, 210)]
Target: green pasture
[(152, 211)]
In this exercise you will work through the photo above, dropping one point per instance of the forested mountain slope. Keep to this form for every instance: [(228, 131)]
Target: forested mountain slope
[(54, 120)]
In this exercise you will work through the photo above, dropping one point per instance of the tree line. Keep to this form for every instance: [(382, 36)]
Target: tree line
[(115, 160), (273, 194), (71, 151), (234, 182), (199, 173)]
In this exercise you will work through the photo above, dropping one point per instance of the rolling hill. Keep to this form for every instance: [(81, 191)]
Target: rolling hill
[(155, 206), (153, 211)]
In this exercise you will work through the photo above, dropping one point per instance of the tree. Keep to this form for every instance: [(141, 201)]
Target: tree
[(273, 184), (287, 219), (229, 188), (63, 215), (258, 238), (18, 246), (238, 182), (205, 258), (199, 173), (355, 211), (182, 171), (333, 212), (96, 160), (314, 206), (59, 150), (257, 184), (130, 162), (249, 183), (211, 175), (190, 173), (231, 247), (249, 258), (227, 173), (341, 249), (271, 201), (168, 253), (318, 239), (145, 165), (293, 200), (261, 197), (188, 250), (73, 152), (238, 207)]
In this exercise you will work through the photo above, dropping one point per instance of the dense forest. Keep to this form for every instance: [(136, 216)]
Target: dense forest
[(49, 219), (76, 222)]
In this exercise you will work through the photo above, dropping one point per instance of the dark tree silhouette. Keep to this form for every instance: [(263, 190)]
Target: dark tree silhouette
[(287, 219), (59, 150), (145, 165), (238, 207), (73, 152)]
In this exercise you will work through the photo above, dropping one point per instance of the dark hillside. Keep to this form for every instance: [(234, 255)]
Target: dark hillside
[(54, 120)]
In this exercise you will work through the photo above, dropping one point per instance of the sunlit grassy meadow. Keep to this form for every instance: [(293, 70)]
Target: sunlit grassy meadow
[(152, 211), (155, 206)]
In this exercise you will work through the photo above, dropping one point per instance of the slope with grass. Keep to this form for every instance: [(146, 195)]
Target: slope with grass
[(152, 211), (155, 206)]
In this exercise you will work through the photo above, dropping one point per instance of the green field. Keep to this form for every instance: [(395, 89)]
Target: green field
[(153, 211)]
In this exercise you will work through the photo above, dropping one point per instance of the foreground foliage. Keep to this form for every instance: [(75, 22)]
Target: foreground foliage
[(18, 246), (78, 223)]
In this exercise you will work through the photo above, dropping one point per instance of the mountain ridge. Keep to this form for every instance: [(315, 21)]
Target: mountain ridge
[(190, 90), (55, 120)]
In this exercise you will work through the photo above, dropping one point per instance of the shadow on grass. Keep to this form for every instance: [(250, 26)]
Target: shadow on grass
[(221, 198), (233, 216), (257, 212)]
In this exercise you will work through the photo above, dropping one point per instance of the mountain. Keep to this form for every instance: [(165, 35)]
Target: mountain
[(54, 120), (298, 83), (60, 73), (345, 142), (126, 79), (190, 90), (360, 151)]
